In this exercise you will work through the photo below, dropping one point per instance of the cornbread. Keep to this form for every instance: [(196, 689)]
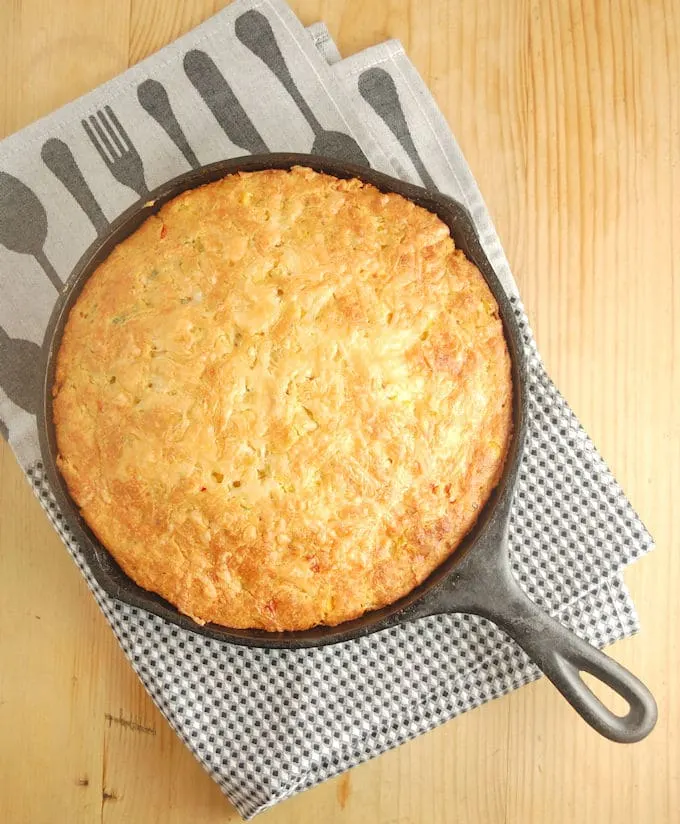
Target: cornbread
[(283, 400)]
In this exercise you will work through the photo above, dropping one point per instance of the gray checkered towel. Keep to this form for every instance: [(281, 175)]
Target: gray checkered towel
[(268, 724)]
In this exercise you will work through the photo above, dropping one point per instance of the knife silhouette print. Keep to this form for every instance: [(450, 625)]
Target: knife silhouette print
[(23, 223), (218, 96), (253, 30), (377, 88), (59, 160), (155, 101), (21, 371)]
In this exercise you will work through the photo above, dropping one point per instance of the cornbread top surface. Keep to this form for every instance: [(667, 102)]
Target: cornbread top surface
[(283, 400)]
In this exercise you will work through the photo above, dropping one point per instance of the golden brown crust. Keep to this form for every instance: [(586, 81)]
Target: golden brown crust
[(283, 400)]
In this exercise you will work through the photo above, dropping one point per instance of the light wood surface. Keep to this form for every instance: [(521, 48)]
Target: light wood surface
[(569, 114)]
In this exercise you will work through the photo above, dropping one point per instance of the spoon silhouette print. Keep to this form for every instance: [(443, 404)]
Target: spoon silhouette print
[(377, 88), (21, 371), (154, 99), (23, 224), (253, 30)]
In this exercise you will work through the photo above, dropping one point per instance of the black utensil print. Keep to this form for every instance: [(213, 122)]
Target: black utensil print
[(59, 160), (253, 30), (116, 150), (222, 102), (21, 371), (4, 431), (377, 88), (155, 101), (23, 223)]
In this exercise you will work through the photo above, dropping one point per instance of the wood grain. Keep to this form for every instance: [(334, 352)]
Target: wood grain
[(569, 114)]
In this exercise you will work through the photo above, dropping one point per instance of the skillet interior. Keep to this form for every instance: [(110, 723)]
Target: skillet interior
[(424, 599)]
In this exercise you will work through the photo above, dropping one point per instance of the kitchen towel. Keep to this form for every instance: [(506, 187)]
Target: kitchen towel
[(268, 724)]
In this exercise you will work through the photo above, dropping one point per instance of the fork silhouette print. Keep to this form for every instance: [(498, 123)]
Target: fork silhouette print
[(116, 149)]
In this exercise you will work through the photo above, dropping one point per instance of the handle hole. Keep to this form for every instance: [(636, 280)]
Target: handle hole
[(604, 693)]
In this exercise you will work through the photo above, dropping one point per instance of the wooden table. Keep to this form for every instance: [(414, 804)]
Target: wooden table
[(569, 114)]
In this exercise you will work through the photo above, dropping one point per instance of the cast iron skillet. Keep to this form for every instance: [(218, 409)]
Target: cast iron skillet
[(476, 579)]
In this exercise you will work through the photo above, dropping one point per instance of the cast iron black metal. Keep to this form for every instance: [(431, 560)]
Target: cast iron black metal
[(476, 579)]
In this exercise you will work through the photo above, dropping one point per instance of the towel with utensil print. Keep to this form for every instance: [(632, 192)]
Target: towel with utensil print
[(268, 724)]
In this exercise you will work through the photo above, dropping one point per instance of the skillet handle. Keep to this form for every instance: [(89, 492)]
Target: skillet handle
[(562, 656)]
